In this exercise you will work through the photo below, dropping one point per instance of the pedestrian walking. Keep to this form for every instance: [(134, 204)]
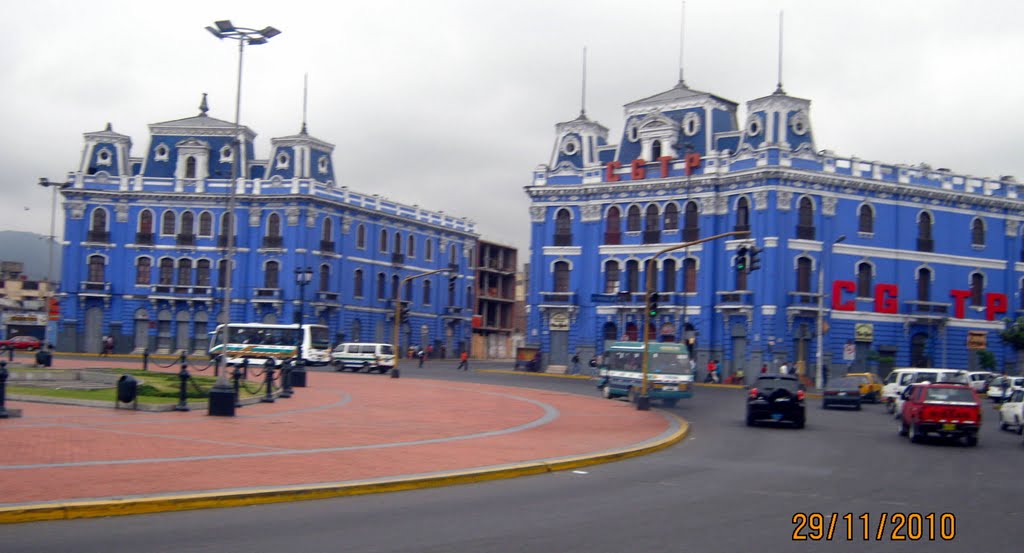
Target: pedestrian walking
[(575, 364), (463, 362), (421, 354), (107, 346), (712, 375), (784, 369), (764, 368)]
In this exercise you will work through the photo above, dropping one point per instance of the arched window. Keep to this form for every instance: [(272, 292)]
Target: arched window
[(742, 216), (668, 272), (187, 223), (383, 240), (98, 232), (357, 283), (611, 276), (977, 232), (327, 230), (924, 284), (410, 248), (924, 232), (272, 275), (166, 271), (690, 275), (394, 287), (863, 280), (227, 228), (428, 249), (97, 268), (613, 227), (203, 272), (453, 256), (563, 228), (407, 293), (561, 276), (274, 225), (866, 219), (205, 224), (803, 275), (977, 288), (652, 220), (633, 219), (325, 277), (143, 266), (632, 276), (361, 237), (167, 223), (396, 244), (426, 292), (222, 273), (382, 290), (190, 167), (691, 222), (184, 272), (655, 150), (146, 222), (671, 217), (805, 219)]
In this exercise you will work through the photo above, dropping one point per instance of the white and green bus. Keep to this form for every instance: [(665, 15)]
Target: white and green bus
[(669, 376), (258, 342)]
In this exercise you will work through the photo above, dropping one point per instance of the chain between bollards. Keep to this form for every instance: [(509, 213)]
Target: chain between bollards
[(268, 372), (3, 390), (183, 388)]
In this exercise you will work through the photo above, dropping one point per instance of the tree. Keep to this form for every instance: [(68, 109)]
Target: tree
[(987, 360), (1013, 335)]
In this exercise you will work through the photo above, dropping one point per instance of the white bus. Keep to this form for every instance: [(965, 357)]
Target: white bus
[(259, 341)]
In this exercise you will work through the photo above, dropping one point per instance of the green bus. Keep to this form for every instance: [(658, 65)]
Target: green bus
[(669, 375)]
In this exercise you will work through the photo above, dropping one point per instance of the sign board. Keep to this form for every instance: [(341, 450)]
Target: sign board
[(864, 332), (38, 319), (559, 321), (977, 339), (849, 352)]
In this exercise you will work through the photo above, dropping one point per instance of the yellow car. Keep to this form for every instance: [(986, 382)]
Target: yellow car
[(870, 386)]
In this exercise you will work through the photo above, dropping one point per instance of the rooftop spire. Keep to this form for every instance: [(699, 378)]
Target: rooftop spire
[(583, 99), (778, 88), (682, 33), (305, 94), (203, 107)]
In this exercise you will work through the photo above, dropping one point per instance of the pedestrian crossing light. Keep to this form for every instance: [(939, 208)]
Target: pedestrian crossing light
[(753, 262), (652, 305), (741, 259)]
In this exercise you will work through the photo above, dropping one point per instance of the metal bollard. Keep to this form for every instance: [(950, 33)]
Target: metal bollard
[(245, 368), (145, 359), (183, 389), (3, 390), (237, 376), (10, 353), (268, 373), (286, 379)]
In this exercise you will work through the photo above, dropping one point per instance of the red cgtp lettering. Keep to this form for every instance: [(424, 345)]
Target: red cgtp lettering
[(994, 303), (959, 299), (838, 287), (664, 165), (637, 172), (692, 162), (885, 298), (610, 174)]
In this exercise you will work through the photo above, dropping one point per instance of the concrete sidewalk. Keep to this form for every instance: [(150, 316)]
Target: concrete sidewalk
[(345, 434)]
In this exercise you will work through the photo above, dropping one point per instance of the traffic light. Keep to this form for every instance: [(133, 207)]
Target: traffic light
[(741, 259), (452, 279), (404, 312), (753, 262), (652, 305)]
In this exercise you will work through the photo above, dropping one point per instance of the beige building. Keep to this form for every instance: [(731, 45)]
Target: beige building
[(22, 302)]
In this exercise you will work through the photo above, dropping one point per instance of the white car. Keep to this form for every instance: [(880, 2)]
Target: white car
[(996, 390), (979, 380), (899, 379), (1011, 412)]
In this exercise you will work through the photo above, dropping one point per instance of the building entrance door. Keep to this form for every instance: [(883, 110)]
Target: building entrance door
[(559, 348), (141, 330), (739, 348), (93, 330)]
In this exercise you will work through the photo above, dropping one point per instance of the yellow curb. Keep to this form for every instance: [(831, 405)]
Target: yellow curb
[(218, 500), (528, 373)]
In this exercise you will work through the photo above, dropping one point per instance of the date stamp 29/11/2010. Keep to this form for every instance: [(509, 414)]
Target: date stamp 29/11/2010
[(868, 527)]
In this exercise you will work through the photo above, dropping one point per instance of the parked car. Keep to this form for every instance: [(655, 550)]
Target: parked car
[(776, 398), (949, 410), (998, 392), (979, 380), (1011, 412), (844, 391), (30, 343), (870, 386)]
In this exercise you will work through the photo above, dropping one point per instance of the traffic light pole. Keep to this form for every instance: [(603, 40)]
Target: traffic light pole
[(398, 308), (644, 401)]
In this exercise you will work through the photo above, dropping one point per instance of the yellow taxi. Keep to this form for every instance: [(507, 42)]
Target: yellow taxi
[(870, 386)]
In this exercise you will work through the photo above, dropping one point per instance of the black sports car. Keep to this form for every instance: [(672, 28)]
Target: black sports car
[(776, 398)]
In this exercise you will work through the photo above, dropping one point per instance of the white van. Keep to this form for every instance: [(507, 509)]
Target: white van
[(358, 355), (899, 379)]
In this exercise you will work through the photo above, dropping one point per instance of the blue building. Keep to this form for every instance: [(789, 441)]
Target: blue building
[(914, 260), (146, 239)]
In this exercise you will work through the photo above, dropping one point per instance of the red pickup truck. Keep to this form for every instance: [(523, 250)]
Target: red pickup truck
[(949, 410)]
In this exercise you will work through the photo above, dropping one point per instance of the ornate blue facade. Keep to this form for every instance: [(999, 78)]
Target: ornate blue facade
[(914, 258), (145, 243)]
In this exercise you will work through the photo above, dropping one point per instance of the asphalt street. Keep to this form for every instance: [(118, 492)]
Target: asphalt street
[(726, 488)]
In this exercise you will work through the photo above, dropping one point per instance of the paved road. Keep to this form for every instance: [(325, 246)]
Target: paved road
[(727, 488)]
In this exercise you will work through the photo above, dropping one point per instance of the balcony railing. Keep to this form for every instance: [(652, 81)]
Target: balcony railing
[(273, 242), (558, 297), (267, 293), (397, 258), (741, 228), (805, 232), (185, 239), (98, 236), (327, 296), (327, 245), (925, 245), (737, 297), (652, 236), (144, 238), (803, 298), (615, 238), (186, 290), (89, 286), (927, 307), (563, 239)]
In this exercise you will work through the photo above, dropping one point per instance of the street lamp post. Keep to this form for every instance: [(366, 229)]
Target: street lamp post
[(820, 362), (244, 35), (398, 308), (303, 276), (53, 186)]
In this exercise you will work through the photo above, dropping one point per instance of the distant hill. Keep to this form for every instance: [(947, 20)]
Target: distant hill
[(32, 250)]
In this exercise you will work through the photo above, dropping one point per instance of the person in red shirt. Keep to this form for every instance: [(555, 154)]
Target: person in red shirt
[(463, 362)]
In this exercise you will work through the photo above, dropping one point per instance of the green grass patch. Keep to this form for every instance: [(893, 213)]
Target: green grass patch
[(154, 387)]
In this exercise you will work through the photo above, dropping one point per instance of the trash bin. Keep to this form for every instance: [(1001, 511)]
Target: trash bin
[(127, 388), (44, 358), (222, 399)]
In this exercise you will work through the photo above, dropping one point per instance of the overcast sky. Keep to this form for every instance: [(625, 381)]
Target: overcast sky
[(451, 104)]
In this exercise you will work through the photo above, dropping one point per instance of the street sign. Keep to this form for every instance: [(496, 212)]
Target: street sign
[(849, 352), (977, 339)]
